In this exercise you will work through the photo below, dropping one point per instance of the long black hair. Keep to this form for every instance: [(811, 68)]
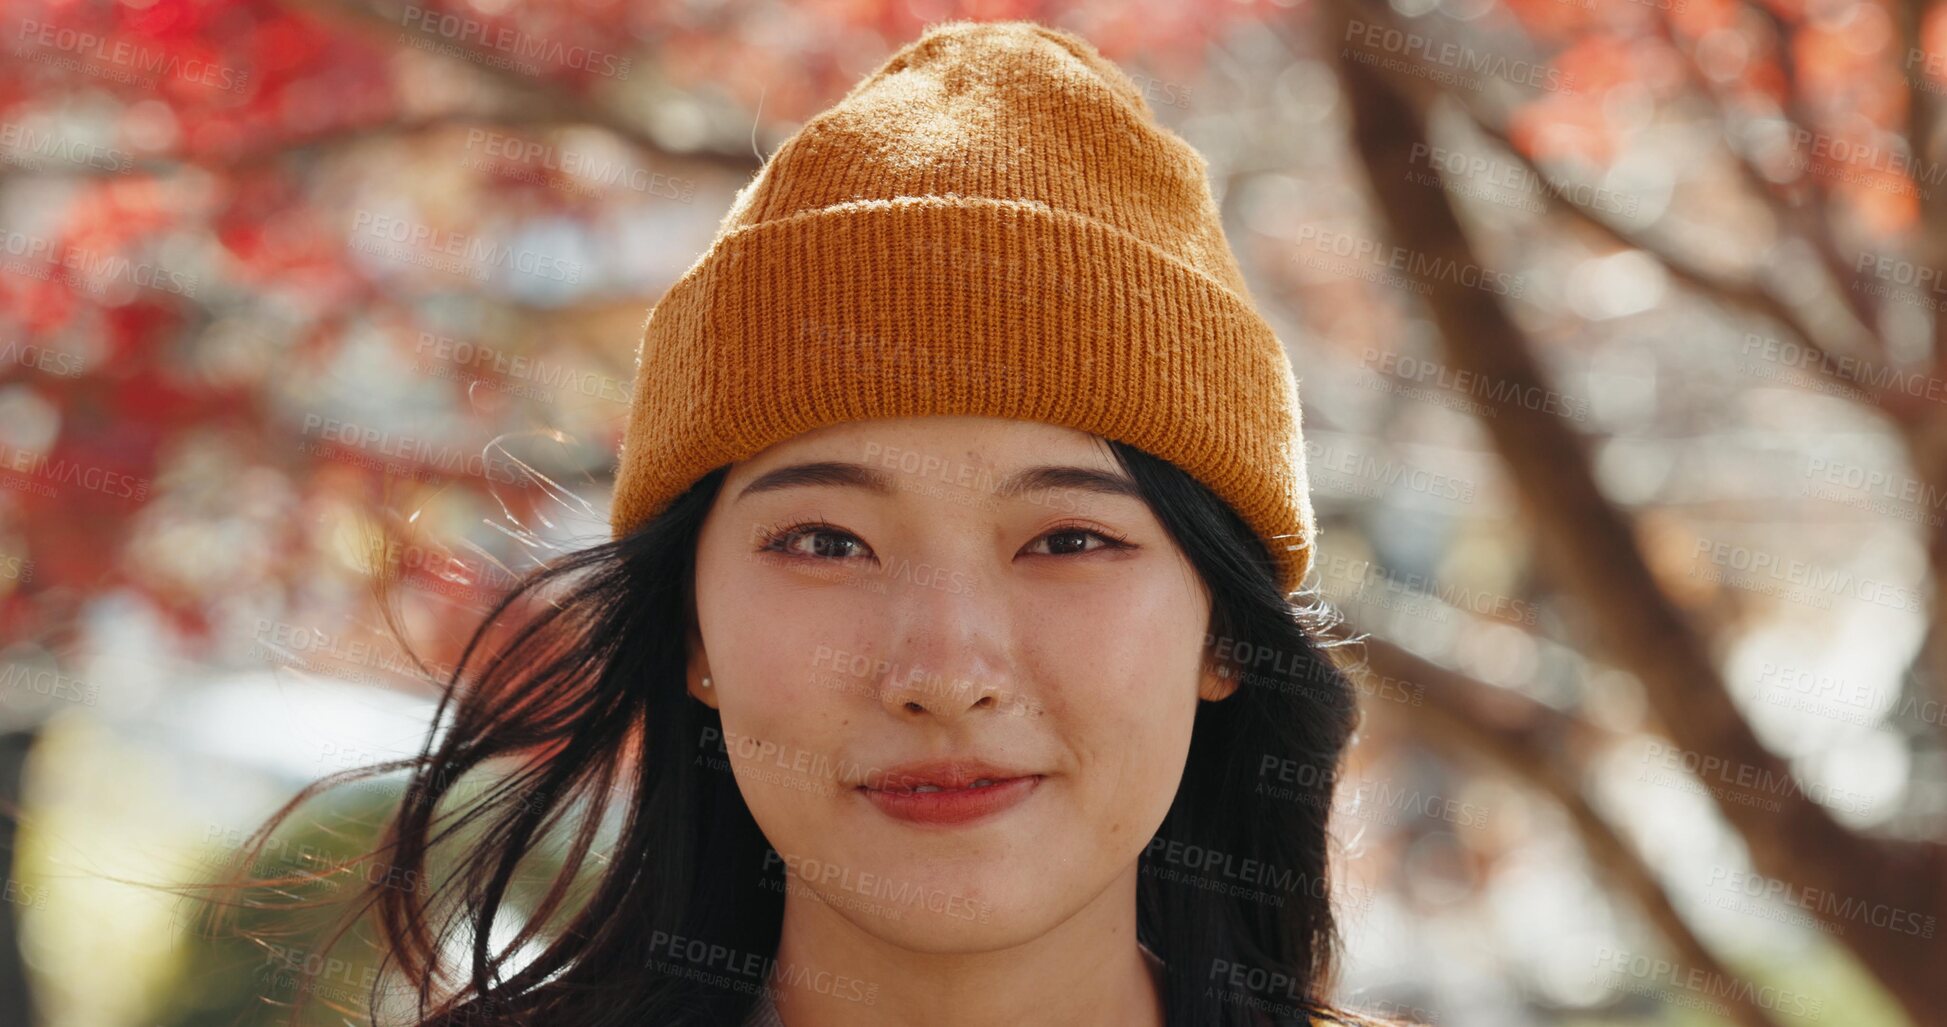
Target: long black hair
[(663, 907)]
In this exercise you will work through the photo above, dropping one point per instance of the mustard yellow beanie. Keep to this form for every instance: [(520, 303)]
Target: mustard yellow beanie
[(992, 223)]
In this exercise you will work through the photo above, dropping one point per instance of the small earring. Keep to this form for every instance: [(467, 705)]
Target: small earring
[(706, 681)]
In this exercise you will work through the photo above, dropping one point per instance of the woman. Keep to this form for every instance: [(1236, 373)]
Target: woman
[(945, 638)]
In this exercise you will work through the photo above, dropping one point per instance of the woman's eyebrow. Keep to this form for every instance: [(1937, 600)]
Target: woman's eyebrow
[(1040, 478)]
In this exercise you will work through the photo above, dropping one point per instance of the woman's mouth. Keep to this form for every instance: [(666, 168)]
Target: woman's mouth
[(928, 803)]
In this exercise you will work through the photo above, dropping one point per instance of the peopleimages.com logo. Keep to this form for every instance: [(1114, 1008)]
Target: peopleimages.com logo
[(515, 43)]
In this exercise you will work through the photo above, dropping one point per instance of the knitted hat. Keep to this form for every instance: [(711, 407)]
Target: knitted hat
[(992, 223)]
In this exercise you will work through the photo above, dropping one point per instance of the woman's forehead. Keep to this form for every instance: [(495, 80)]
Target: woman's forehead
[(905, 442)]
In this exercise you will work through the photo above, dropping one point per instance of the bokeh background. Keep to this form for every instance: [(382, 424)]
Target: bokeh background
[(1619, 330)]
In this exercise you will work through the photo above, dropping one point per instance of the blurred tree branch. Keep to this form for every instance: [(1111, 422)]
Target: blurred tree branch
[(1922, 116), (1815, 218), (1590, 544), (1810, 223), (1547, 749), (538, 103), (545, 99), (341, 138), (1748, 296), (1924, 429)]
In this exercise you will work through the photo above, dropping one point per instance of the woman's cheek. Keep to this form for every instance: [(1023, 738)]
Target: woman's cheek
[(1139, 745), (786, 748), (787, 713)]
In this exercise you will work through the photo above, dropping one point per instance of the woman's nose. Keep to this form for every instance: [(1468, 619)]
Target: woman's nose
[(952, 651), (944, 697)]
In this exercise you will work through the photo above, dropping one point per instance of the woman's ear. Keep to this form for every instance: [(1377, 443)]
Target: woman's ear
[(697, 671), (1219, 682), (703, 687)]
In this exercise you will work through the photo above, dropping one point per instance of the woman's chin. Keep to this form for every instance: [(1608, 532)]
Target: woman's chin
[(945, 905), (924, 930)]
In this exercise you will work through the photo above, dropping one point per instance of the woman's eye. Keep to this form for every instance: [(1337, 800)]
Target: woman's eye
[(823, 542), (1074, 542), (816, 542)]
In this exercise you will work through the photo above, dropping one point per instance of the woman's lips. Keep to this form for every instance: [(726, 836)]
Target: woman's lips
[(953, 805)]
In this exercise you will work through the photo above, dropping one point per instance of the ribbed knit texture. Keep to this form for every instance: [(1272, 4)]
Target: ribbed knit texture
[(992, 223)]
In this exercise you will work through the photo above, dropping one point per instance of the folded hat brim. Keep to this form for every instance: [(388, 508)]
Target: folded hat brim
[(933, 305)]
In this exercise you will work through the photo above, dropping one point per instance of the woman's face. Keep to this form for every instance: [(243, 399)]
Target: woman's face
[(870, 598)]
